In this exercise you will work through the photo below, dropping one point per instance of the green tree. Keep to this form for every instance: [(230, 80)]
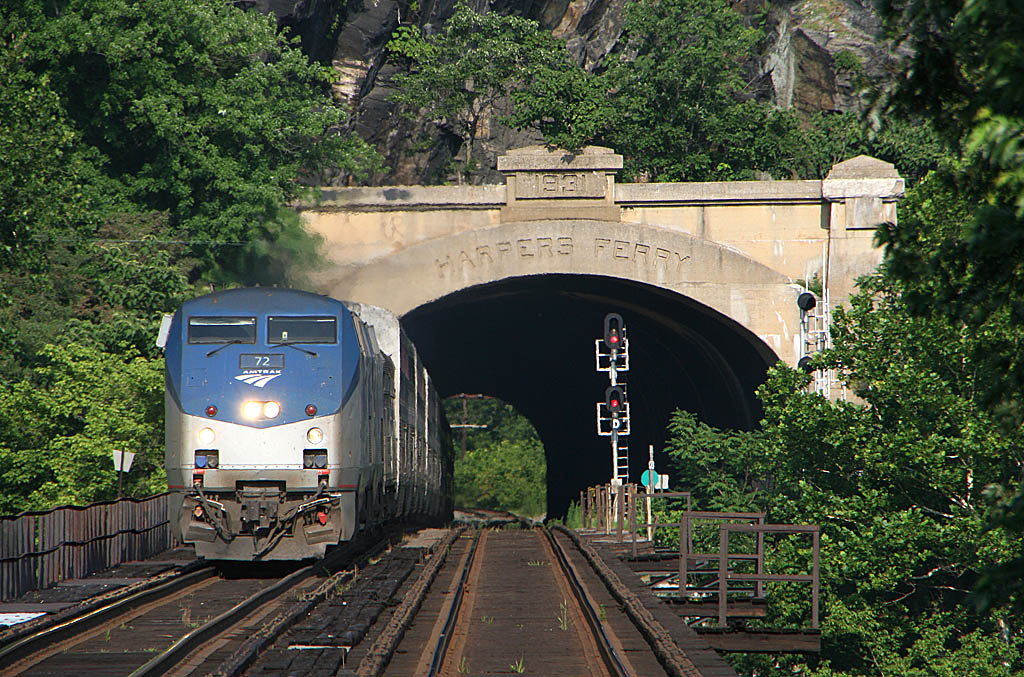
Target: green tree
[(462, 74), (509, 475), (674, 100), (196, 108), (504, 467), (897, 483), (58, 429), (38, 167), (721, 468), (676, 90), (960, 252), (145, 147)]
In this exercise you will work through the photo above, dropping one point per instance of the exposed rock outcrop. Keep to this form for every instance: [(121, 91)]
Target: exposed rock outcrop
[(818, 55), (821, 52)]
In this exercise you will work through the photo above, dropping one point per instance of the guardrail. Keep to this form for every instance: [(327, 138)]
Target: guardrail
[(39, 549), (614, 510)]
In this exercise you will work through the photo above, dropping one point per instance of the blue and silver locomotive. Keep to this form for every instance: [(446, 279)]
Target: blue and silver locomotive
[(293, 420)]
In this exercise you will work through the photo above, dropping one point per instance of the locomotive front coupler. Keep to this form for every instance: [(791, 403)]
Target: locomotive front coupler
[(280, 529)]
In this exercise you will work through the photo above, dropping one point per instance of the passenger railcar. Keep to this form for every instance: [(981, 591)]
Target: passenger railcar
[(293, 420)]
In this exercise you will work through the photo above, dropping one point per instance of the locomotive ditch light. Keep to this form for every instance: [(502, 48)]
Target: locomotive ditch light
[(315, 435), (614, 335), (207, 436), (615, 398)]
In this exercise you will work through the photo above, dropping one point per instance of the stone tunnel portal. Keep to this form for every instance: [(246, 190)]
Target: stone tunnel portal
[(530, 341)]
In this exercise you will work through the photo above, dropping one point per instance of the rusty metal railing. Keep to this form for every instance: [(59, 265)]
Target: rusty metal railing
[(614, 510), (39, 549)]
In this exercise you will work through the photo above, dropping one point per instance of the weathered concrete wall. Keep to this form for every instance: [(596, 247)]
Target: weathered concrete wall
[(737, 248)]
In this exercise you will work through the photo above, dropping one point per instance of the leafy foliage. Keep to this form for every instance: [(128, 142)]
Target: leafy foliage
[(715, 465), (39, 165), (195, 108), (503, 467), (959, 250), (459, 75), (897, 483), (146, 148), (59, 429), (674, 100)]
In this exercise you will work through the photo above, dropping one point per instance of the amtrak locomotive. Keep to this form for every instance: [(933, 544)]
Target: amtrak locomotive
[(293, 420)]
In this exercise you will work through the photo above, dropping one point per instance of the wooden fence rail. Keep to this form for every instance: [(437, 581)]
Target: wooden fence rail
[(39, 549)]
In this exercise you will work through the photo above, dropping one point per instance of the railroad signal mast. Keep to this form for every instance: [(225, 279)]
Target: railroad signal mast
[(612, 355)]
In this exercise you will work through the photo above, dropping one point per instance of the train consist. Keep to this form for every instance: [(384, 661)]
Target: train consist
[(294, 420)]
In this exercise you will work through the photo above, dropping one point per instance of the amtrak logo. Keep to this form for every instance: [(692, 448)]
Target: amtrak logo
[(258, 378)]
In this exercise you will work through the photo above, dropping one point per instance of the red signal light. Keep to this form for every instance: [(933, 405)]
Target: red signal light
[(211, 410), (614, 332), (311, 410), (615, 398)]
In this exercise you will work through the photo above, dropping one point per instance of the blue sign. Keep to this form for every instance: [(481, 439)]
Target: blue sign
[(649, 479)]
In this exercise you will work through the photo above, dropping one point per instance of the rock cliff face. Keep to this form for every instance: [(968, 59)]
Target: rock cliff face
[(820, 52), (817, 55)]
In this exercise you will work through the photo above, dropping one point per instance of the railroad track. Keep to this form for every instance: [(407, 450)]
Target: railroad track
[(446, 602), (184, 625), (542, 599), (514, 601)]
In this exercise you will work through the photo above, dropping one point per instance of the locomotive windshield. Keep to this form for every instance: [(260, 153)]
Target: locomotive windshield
[(222, 330), (305, 329)]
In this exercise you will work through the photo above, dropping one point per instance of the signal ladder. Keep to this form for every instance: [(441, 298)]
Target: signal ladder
[(612, 355)]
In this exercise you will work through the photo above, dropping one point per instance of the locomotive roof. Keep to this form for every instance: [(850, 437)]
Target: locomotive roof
[(262, 300)]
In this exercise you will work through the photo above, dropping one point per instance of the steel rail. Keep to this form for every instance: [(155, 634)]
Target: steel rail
[(187, 644), (19, 649), (441, 648), (611, 657)]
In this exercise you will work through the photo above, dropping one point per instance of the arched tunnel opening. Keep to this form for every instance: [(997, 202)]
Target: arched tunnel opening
[(530, 342)]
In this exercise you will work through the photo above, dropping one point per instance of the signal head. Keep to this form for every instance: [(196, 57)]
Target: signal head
[(615, 398), (614, 332)]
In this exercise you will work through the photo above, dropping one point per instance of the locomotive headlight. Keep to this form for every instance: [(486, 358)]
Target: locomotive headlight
[(207, 436), (271, 409), (315, 435), (252, 410)]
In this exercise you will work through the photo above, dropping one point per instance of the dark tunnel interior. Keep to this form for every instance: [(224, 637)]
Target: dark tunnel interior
[(530, 341)]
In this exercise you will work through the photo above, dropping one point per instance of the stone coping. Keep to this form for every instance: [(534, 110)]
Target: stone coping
[(638, 194), (493, 196), (407, 197)]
